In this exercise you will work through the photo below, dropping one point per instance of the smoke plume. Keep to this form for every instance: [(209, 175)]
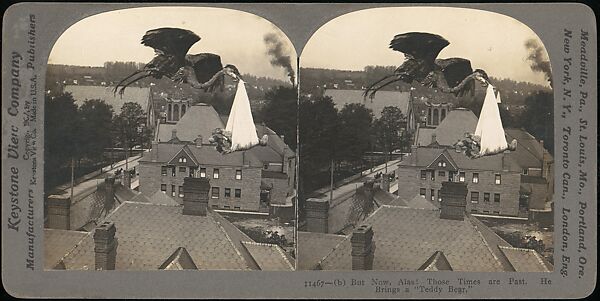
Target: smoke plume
[(537, 60), (279, 54)]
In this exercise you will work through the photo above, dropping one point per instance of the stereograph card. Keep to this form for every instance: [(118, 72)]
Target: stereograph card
[(277, 150)]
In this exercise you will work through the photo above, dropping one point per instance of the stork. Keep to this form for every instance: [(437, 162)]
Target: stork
[(452, 75), (201, 71)]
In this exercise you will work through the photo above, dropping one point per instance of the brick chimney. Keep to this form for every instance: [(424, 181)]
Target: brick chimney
[(454, 200), (433, 137), (317, 215), (59, 212), (109, 193), (195, 198), (199, 141), (173, 133), (363, 248), (154, 151), (105, 246), (413, 154)]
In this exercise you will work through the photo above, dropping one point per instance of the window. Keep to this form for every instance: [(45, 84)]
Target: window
[(432, 195), (422, 192), (450, 176), (203, 172), (237, 208), (216, 173), (238, 174), (192, 172), (227, 192), (423, 175), (486, 197), (182, 169), (525, 171), (215, 193), (441, 173), (475, 177), (486, 211), (163, 188), (461, 176), (439, 196), (215, 206), (442, 164), (498, 179), (227, 207), (163, 170), (266, 166), (238, 193), (180, 191), (433, 175), (496, 197), (172, 190), (173, 171), (496, 212), (474, 197), (182, 159), (473, 210)]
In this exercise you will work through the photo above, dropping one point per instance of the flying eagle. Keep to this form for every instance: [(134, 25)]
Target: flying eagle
[(201, 71), (453, 75)]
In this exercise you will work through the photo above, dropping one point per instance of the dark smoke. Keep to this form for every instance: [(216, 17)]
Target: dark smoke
[(279, 57), (537, 60)]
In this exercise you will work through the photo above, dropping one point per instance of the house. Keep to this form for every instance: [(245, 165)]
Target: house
[(139, 95), (260, 179), (510, 184), (402, 238), (143, 235)]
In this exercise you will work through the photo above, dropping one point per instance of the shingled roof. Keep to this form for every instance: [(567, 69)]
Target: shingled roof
[(268, 257), (382, 99), (405, 239), (57, 243), (426, 155), (199, 119), (149, 233)]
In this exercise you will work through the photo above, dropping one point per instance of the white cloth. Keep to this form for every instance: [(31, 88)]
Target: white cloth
[(489, 127), (240, 123)]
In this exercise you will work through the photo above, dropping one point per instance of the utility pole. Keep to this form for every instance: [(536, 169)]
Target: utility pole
[(72, 176), (331, 188)]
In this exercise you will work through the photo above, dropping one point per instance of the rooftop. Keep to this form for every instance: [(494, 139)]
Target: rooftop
[(426, 155), (458, 122), (406, 239)]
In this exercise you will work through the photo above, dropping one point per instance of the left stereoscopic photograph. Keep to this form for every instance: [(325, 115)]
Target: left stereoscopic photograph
[(170, 143)]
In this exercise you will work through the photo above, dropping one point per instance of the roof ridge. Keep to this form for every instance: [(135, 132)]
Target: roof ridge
[(277, 247), (347, 237), (240, 256)]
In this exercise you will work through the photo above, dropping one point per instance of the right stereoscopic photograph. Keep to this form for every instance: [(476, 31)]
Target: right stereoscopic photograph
[(425, 144)]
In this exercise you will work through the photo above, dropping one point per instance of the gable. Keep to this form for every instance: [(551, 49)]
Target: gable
[(443, 162), (184, 158)]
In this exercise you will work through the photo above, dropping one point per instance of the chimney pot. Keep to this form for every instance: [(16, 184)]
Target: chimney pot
[(105, 246), (363, 248), (317, 215), (195, 198), (454, 200)]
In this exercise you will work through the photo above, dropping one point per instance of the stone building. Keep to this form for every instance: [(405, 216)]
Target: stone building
[(260, 179), (405, 238), (509, 184)]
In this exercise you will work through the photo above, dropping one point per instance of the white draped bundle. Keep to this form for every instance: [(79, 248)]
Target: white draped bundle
[(240, 123), (489, 127)]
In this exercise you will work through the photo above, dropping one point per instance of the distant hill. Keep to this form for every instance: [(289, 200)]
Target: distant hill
[(313, 80)]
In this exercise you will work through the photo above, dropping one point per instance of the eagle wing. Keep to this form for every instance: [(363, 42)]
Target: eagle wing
[(419, 45), (170, 41), (206, 65), (455, 70)]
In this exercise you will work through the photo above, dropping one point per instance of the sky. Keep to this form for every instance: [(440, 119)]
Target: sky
[(115, 36), (493, 42)]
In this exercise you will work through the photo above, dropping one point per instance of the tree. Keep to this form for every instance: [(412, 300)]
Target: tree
[(280, 113), (129, 128), (61, 135), (96, 122), (354, 133), (538, 117), (389, 129)]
